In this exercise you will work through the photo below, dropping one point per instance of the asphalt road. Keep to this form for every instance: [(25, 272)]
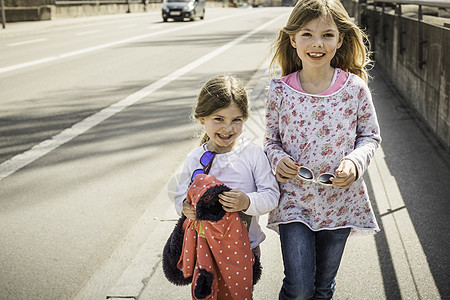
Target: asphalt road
[(94, 120)]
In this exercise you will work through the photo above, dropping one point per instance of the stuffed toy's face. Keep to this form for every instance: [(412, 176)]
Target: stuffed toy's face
[(204, 195)]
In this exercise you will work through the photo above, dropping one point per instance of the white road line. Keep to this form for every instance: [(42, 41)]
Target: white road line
[(27, 42), (412, 270), (109, 45), (87, 32), (21, 160)]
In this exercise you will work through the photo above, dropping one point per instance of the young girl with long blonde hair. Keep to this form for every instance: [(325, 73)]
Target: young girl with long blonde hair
[(321, 132)]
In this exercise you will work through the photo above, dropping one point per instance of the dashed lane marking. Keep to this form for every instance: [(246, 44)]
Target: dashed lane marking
[(27, 42)]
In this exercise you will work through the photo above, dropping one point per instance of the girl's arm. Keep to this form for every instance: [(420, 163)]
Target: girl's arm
[(182, 207), (267, 194), (273, 144), (367, 132), (184, 180)]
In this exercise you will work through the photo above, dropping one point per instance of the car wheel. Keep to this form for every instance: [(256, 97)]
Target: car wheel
[(165, 19)]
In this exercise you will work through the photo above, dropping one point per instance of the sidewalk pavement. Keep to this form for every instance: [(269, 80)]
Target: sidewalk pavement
[(407, 180)]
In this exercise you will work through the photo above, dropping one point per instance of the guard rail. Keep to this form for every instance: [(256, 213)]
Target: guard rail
[(410, 40)]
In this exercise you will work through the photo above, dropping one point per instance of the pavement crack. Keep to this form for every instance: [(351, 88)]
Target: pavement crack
[(146, 280)]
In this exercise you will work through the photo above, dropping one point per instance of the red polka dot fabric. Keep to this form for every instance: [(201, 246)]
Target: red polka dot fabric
[(216, 253)]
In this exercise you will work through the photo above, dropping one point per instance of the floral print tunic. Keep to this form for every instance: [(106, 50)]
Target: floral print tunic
[(318, 131)]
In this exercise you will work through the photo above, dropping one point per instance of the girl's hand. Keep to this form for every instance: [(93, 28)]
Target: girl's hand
[(286, 169), (346, 174), (234, 200), (189, 210)]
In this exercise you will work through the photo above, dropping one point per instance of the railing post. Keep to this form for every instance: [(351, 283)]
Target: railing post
[(400, 28), (383, 25), (3, 14), (362, 13), (421, 40), (374, 25)]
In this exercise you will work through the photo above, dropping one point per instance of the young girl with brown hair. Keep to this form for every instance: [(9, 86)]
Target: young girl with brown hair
[(222, 108)]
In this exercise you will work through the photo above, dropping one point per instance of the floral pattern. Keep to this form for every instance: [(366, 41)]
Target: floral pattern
[(318, 132)]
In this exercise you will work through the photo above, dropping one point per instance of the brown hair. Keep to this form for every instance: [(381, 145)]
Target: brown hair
[(352, 56), (218, 93)]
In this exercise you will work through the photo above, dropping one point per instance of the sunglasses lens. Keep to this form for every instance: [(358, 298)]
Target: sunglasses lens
[(305, 173), (326, 178), (206, 158), (195, 173)]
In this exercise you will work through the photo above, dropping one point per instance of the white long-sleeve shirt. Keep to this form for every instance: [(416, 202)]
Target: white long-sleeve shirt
[(246, 168)]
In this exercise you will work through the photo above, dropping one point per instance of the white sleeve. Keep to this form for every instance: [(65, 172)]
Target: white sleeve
[(267, 192), (184, 180)]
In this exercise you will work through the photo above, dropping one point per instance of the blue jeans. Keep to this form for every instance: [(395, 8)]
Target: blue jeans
[(311, 261)]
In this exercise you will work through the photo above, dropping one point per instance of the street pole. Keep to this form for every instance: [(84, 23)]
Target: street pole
[(3, 14), (129, 10)]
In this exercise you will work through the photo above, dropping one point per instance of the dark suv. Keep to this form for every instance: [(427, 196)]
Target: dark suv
[(183, 9)]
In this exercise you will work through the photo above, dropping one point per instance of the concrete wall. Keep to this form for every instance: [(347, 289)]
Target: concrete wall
[(38, 10), (27, 10), (74, 11), (62, 12), (25, 3), (395, 42), (30, 13)]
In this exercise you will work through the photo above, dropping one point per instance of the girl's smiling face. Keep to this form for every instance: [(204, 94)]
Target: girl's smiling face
[(317, 42), (223, 127)]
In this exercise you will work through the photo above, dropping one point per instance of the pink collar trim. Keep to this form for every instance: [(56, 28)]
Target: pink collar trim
[(340, 77)]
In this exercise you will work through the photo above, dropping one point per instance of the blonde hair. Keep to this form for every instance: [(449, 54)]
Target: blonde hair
[(352, 56), (218, 93)]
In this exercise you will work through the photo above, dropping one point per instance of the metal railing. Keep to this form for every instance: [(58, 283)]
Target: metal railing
[(432, 3), (104, 2), (95, 2), (2, 5), (398, 11)]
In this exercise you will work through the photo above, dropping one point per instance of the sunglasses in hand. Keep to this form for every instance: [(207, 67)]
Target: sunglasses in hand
[(305, 173), (324, 178)]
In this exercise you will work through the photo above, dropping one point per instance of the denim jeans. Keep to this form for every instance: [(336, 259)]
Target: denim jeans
[(311, 261)]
